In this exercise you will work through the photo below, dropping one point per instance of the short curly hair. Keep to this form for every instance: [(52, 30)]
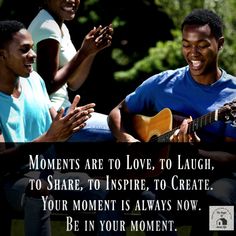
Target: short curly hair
[(7, 29), (203, 17)]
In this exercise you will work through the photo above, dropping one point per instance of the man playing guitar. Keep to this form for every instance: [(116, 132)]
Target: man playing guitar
[(195, 90)]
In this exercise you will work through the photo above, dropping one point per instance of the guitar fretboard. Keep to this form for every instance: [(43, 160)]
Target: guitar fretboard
[(193, 126)]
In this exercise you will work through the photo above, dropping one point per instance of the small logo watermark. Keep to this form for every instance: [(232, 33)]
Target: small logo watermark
[(221, 218)]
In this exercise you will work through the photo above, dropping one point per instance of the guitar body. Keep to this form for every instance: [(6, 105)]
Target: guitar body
[(147, 127), (160, 127)]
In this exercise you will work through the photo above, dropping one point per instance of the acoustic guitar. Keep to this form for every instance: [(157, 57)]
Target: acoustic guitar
[(159, 128)]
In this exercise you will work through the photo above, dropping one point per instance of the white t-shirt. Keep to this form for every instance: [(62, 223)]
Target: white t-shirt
[(44, 27)]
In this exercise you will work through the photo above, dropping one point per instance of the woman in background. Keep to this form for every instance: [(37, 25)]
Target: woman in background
[(61, 66)]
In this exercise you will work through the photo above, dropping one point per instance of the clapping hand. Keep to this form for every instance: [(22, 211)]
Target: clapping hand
[(97, 39), (63, 127), (103, 36)]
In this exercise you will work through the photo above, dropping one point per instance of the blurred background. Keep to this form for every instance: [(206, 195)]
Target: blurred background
[(146, 40)]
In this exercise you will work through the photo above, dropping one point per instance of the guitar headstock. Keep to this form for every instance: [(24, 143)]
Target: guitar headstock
[(227, 113)]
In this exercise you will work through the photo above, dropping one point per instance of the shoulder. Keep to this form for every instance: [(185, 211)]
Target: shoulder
[(176, 72), (35, 80), (44, 26), (168, 75), (228, 77), (35, 75)]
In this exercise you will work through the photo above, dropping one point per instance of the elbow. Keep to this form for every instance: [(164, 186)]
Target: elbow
[(72, 87), (110, 119), (52, 87), (114, 118), (74, 83)]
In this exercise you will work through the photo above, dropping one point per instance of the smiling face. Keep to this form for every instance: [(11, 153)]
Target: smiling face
[(200, 49), (18, 54), (62, 10)]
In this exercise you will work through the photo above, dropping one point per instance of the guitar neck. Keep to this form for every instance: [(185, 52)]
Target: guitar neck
[(193, 126)]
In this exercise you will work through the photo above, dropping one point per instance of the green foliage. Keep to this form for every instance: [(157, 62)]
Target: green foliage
[(166, 55), (226, 9), (228, 56), (146, 39), (177, 9), (120, 57)]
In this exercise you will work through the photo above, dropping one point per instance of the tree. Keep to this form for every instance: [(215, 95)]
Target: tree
[(167, 54), (146, 40)]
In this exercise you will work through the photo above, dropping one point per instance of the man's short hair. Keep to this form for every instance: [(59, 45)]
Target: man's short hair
[(7, 29), (203, 17)]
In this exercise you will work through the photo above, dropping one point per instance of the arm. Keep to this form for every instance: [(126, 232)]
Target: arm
[(118, 120), (77, 69), (61, 129), (95, 41)]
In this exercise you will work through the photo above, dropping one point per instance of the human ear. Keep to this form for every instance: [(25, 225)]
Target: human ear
[(220, 43)]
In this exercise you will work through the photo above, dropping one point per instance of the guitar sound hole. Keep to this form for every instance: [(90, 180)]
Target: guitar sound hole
[(154, 138)]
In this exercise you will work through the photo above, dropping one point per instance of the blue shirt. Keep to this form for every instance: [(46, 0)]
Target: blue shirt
[(177, 90), (27, 117)]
